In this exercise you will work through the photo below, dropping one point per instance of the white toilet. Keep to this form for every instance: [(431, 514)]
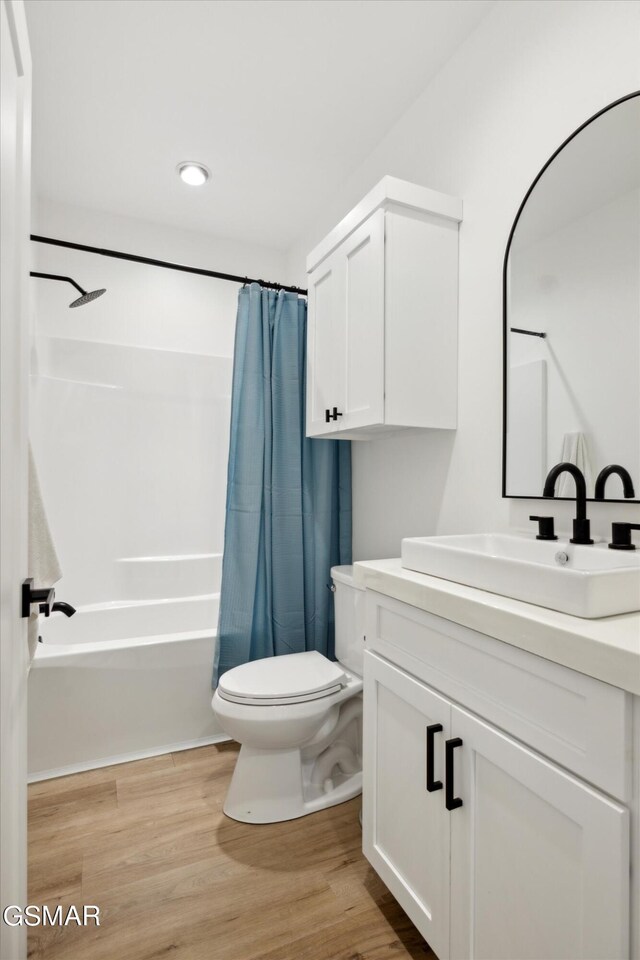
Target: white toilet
[(299, 720)]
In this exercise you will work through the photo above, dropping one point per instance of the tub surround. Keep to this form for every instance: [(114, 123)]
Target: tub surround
[(122, 408), (124, 401), (607, 649)]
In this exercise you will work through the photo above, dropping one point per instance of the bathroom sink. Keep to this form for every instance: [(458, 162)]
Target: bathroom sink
[(585, 581)]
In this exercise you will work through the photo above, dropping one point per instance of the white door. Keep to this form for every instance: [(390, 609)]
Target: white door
[(405, 825), (539, 860), (15, 113), (326, 286), (361, 374)]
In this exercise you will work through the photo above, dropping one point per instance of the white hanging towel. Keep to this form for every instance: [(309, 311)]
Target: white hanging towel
[(576, 451), (44, 566)]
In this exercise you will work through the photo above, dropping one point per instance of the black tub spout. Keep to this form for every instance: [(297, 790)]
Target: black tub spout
[(61, 607)]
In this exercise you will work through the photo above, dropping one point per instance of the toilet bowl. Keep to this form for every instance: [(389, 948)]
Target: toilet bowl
[(298, 719)]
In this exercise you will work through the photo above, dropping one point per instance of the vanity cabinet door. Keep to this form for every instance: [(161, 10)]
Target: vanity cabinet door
[(539, 860), (325, 334), (406, 826)]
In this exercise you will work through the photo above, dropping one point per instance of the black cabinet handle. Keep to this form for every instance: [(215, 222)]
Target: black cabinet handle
[(329, 416), (432, 784), (451, 801)]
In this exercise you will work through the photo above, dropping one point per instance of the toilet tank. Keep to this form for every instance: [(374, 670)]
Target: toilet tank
[(349, 610)]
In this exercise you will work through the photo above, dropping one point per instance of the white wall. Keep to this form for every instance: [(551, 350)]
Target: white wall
[(523, 81), (131, 401)]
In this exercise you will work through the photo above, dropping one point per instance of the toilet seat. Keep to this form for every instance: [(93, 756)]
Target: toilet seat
[(288, 679)]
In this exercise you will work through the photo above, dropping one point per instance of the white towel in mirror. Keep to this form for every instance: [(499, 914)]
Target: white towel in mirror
[(574, 450)]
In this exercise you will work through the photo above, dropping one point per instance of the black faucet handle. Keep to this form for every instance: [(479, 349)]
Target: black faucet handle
[(43, 596), (545, 528), (621, 536)]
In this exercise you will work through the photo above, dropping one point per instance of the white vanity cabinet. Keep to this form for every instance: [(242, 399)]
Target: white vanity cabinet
[(496, 792), (382, 323)]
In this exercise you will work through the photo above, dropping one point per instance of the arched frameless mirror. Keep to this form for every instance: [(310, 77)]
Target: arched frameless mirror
[(571, 289)]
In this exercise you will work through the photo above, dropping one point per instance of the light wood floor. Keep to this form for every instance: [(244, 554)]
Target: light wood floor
[(173, 877)]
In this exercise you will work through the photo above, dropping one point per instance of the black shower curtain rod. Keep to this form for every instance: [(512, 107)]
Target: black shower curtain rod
[(118, 255)]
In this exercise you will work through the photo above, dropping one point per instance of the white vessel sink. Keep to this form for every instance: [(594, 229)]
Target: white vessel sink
[(585, 581)]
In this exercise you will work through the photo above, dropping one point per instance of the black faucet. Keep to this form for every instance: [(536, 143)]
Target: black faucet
[(581, 526), (605, 473)]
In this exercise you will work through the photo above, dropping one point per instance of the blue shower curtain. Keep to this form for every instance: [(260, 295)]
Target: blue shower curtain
[(288, 518)]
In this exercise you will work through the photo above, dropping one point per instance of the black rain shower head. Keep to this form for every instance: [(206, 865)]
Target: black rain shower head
[(85, 296)]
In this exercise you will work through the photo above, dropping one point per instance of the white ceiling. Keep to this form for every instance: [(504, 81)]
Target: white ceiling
[(282, 99)]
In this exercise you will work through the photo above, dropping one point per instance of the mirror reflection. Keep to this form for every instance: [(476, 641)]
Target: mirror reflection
[(573, 313)]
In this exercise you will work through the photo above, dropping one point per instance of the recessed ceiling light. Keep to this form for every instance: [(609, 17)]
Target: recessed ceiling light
[(195, 174)]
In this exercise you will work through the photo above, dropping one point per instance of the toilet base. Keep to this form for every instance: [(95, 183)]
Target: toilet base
[(269, 786)]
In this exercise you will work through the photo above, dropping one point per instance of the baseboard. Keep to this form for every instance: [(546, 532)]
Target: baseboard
[(125, 758)]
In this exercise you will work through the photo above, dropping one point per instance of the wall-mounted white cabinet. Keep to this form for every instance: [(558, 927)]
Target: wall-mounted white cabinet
[(383, 309), (504, 835)]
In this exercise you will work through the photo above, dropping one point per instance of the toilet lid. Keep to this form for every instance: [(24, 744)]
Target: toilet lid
[(286, 679)]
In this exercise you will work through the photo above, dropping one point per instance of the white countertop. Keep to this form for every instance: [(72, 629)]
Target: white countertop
[(607, 649)]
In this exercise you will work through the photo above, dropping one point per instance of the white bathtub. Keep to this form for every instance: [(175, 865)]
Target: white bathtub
[(122, 680)]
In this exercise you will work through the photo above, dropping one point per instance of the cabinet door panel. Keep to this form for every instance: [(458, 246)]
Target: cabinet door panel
[(325, 335), (539, 860), (405, 827), (361, 373)]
